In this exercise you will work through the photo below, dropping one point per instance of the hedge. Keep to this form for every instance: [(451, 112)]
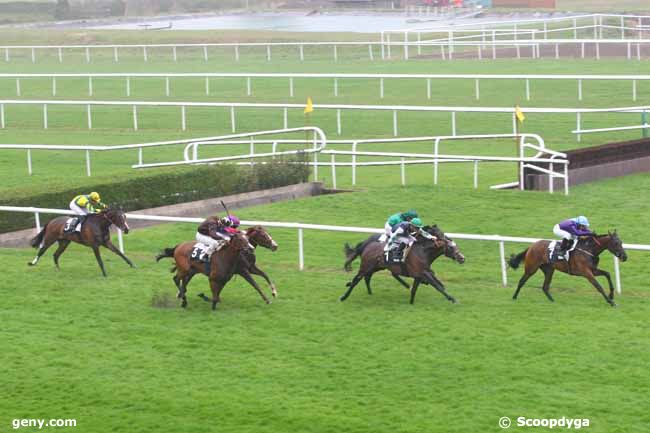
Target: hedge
[(167, 188)]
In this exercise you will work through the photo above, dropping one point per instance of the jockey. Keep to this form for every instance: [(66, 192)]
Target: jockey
[(569, 230), (84, 204), (397, 218), (214, 231), (404, 236)]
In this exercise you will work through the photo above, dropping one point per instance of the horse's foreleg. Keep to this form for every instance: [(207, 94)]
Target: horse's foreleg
[(548, 276), (435, 282), (63, 244), (414, 289), (257, 271), (598, 287), (249, 279), (108, 244), (599, 272), (351, 285), (99, 259)]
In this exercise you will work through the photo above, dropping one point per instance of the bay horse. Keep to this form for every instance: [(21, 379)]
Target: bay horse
[(94, 233), (583, 261), (417, 265), (230, 260)]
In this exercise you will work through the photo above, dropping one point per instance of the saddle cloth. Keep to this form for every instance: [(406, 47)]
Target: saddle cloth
[(551, 248), (70, 224), (199, 249), (382, 238)]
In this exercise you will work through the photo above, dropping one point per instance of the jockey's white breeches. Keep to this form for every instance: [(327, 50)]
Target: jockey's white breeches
[(78, 210), (210, 242), (388, 229), (557, 231)]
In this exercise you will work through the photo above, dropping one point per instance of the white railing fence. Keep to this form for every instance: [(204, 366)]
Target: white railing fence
[(318, 143), (285, 107), (300, 227), (380, 79)]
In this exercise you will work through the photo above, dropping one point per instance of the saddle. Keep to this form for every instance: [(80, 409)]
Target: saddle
[(556, 245)]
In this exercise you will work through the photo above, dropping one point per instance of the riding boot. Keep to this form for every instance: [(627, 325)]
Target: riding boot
[(80, 221), (560, 250)]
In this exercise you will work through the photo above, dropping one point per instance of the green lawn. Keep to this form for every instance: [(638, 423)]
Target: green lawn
[(118, 354)]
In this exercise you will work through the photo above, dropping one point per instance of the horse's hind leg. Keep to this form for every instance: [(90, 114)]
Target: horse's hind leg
[(414, 289), (529, 272), (47, 243), (351, 285), (63, 244), (367, 279), (402, 282), (548, 276)]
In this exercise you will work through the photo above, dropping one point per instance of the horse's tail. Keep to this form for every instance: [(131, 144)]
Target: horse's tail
[(515, 259), (351, 254), (36, 240), (167, 252)]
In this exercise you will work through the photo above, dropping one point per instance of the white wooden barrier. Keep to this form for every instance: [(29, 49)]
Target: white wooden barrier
[(379, 78), (300, 227)]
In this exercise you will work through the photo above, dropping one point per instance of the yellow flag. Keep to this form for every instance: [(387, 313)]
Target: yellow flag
[(309, 107), (519, 114)]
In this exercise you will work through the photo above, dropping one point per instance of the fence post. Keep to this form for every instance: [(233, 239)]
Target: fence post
[(336, 54), (475, 174), (302, 53), (120, 241), (29, 161), (90, 85), (370, 54), (436, 144), (395, 123), (381, 88), (17, 86), (87, 54), (617, 275), (144, 53), (174, 53), (37, 219), (128, 86), (236, 53), (291, 87), (6, 54), (166, 86), (140, 158), (115, 56), (403, 172), (286, 117), (2, 116), (53, 86), (527, 89), (44, 116), (248, 86), (354, 163), (135, 118), (268, 53), (578, 136), (232, 118), (183, 118), (301, 253), (205, 53), (338, 121), (428, 88), (644, 122), (478, 90), (88, 115), (333, 165), (504, 270), (634, 90), (406, 46), (33, 55), (579, 90), (207, 86), (336, 86), (88, 163), (453, 123)]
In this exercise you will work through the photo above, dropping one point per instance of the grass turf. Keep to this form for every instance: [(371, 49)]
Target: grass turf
[(118, 354)]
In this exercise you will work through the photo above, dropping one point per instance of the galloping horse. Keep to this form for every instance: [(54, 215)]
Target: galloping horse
[(235, 258), (582, 262), (417, 265), (94, 233)]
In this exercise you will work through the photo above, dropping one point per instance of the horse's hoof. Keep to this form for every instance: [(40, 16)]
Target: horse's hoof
[(454, 301), (613, 304), (184, 305), (30, 264), (341, 299)]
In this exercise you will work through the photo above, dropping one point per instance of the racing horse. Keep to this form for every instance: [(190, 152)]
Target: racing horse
[(239, 260), (94, 233), (417, 265), (583, 261)]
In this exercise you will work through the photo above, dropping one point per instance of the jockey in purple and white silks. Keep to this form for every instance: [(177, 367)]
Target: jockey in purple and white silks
[(569, 230)]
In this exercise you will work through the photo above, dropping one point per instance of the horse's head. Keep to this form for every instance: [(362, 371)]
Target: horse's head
[(450, 248), (615, 246), (257, 235), (117, 217)]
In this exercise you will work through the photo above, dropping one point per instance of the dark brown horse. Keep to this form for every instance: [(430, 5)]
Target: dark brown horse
[(417, 265), (583, 262), (94, 234), (228, 261), (256, 235)]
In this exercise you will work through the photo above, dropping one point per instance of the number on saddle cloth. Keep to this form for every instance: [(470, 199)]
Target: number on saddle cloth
[(556, 245), (70, 225), (198, 251)]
